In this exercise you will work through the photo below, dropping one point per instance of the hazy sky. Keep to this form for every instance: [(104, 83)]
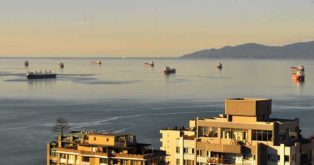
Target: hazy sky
[(148, 27)]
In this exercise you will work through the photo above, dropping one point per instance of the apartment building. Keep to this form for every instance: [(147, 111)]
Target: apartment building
[(83, 148), (244, 134)]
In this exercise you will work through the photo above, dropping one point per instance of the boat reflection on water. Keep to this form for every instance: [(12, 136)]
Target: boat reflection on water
[(170, 78), (41, 83), (299, 84)]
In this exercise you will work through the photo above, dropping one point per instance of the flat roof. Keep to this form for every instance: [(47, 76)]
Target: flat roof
[(248, 98), (108, 134), (130, 146)]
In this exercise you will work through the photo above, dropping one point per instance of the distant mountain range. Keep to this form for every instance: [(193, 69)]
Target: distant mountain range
[(301, 50)]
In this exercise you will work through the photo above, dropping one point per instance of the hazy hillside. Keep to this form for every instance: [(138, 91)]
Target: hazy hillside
[(302, 50)]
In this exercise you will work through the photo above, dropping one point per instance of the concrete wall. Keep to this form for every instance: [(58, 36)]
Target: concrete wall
[(247, 107), (101, 140)]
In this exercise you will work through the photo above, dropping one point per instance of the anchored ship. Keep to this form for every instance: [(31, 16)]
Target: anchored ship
[(96, 62), (169, 70), (41, 75), (151, 64), (26, 63), (61, 65), (298, 73), (219, 65)]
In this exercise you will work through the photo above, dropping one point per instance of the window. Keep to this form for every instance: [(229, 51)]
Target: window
[(94, 138), (273, 157), (286, 158), (107, 139), (123, 162), (103, 160), (185, 150), (63, 156), (213, 132), (293, 133), (200, 153), (178, 161), (208, 131), (188, 162), (72, 157), (262, 135), (85, 159), (226, 133), (177, 149)]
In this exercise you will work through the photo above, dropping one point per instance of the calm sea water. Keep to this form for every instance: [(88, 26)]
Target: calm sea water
[(122, 95)]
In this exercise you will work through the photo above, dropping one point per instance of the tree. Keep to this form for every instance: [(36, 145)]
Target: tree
[(61, 126)]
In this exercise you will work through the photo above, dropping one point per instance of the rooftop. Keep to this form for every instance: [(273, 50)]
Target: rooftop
[(248, 99), (108, 134)]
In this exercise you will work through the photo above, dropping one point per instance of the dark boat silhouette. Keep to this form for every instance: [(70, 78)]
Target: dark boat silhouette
[(96, 62), (169, 70), (219, 65), (41, 75), (151, 64), (26, 63), (61, 65), (298, 73)]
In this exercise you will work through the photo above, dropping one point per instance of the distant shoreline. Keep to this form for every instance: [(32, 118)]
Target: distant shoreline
[(300, 50)]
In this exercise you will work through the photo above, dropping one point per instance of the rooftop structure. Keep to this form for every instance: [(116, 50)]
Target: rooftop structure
[(244, 134), (83, 148)]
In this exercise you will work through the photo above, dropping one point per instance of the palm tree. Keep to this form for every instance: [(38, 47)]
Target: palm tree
[(61, 126)]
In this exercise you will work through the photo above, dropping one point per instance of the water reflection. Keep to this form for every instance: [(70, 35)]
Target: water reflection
[(299, 84), (169, 77), (41, 83), (219, 72)]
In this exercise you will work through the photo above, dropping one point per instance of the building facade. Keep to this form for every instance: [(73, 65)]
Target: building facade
[(244, 134), (83, 148)]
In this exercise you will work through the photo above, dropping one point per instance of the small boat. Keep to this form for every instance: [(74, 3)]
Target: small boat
[(300, 67), (151, 64), (26, 63), (41, 75), (96, 62), (61, 65), (169, 70), (219, 65), (299, 76), (298, 73)]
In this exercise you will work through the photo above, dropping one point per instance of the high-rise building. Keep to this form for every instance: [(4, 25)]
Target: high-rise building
[(244, 134), (82, 148)]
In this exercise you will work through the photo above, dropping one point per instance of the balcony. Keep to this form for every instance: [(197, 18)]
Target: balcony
[(221, 148), (215, 160), (139, 156), (63, 161), (85, 163), (71, 161), (66, 150)]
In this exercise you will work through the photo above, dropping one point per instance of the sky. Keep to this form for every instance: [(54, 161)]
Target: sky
[(148, 28)]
